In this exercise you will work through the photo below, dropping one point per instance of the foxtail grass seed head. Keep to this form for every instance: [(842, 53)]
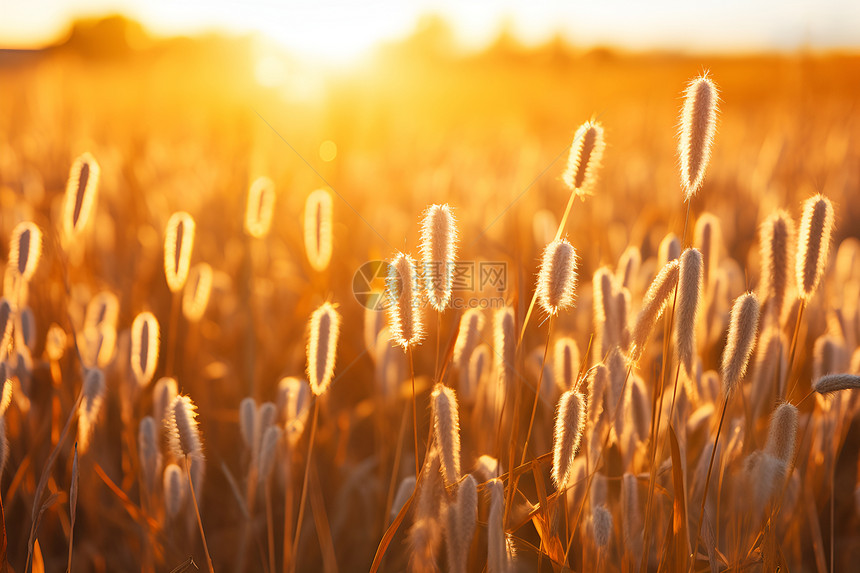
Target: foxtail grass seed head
[(586, 152), (25, 249), (102, 310), (174, 489), (198, 288), (598, 381), (144, 347), (556, 284), (566, 363), (569, 425), (602, 526), (4, 445), (631, 512), (462, 517), (486, 468), (777, 238), (708, 237), (469, 336), (6, 394), (266, 416), (165, 390), (268, 452), (497, 554), (6, 322), (836, 382), (322, 347), (696, 135), (56, 341), (628, 266), (687, 310), (813, 244), (178, 244), (81, 191), (404, 491), (669, 250), (260, 207), (504, 344), (425, 536), (28, 327), (743, 326), (478, 373), (247, 421), (297, 400), (148, 450), (318, 229), (446, 425), (91, 404), (782, 433), (655, 301), (182, 432), (405, 320), (438, 252)]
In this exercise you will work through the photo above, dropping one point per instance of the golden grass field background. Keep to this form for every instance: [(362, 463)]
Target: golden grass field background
[(185, 125)]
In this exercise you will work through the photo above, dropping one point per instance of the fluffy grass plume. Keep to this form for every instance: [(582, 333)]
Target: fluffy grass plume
[(687, 309), (601, 526), (655, 301), (606, 332), (556, 284), (183, 436), (178, 245), (260, 207), (198, 288), (144, 347), (669, 250), (504, 344), (566, 359), (469, 336), (446, 425), (586, 152), (268, 452), (813, 244), (438, 251), (836, 382), (402, 290), (148, 450), (708, 239), (296, 405), (569, 425), (318, 229), (80, 198), (174, 489), (247, 421), (88, 412), (771, 368), (324, 330), (782, 433), (25, 248), (696, 135), (497, 553), (628, 266), (461, 524), (425, 535), (776, 240), (103, 309), (165, 390), (478, 371), (743, 327)]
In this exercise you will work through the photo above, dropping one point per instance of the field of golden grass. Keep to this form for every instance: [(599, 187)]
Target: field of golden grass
[(308, 448)]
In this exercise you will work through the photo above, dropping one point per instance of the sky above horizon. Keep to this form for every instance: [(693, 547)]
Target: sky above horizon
[(338, 29)]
